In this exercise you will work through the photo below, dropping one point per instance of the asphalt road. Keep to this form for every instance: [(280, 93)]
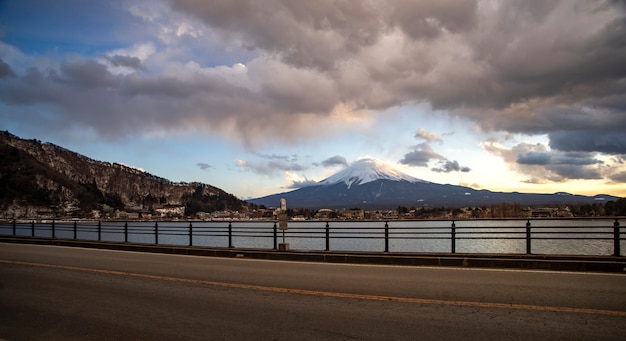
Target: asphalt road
[(60, 293)]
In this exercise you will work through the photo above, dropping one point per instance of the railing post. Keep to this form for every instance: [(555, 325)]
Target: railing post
[(53, 231), (528, 237), (32, 228), (386, 237), (125, 232), (327, 237), (156, 232), (275, 236), (75, 230), (190, 234), (14, 227), (230, 234), (99, 230), (453, 237), (616, 239)]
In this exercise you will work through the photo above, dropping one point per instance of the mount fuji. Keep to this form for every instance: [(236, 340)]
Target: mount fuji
[(368, 170), (372, 184)]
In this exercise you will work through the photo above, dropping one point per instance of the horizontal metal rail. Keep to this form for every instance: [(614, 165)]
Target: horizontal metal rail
[(226, 233)]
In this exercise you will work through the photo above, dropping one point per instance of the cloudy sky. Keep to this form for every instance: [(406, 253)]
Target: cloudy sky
[(260, 97)]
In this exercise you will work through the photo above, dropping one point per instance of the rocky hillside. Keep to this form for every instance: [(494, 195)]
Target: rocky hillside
[(43, 179)]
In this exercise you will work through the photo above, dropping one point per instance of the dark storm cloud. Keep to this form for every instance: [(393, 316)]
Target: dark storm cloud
[(430, 19), (126, 61), (534, 158), (575, 172), (60, 87), (557, 158), (608, 141), (87, 73), (420, 156), (336, 160), (518, 66), (304, 33), (447, 166), (573, 165), (5, 70), (86, 93), (619, 177), (532, 67), (544, 165)]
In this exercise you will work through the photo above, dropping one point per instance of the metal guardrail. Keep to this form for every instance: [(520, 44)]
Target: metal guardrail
[(186, 235)]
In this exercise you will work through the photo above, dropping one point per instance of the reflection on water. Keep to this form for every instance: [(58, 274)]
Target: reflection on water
[(571, 236)]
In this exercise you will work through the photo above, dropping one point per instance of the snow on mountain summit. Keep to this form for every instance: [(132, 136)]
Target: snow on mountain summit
[(367, 170)]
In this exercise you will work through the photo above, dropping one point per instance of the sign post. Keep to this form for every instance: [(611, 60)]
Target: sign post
[(282, 224)]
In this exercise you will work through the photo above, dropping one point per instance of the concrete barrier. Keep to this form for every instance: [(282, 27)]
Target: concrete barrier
[(504, 261)]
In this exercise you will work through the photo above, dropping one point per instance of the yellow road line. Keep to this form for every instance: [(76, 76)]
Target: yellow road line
[(331, 294)]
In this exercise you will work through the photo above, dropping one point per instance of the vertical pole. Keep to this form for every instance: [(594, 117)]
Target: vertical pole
[(327, 237), (190, 234), (275, 237), (230, 234), (156, 232), (32, 228), (99, 231), (75, 230), (528, 238), (125, 232), (386, 237), (616, 240), (453, 237), (14, 227), (53, 231)]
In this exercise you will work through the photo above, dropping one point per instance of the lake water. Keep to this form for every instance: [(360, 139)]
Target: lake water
[(548, 236)]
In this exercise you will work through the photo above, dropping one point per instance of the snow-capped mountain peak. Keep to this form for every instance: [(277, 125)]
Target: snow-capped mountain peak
[(367, 170)]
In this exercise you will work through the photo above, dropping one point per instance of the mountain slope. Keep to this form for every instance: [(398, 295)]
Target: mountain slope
[(367, 170), (37, 176), (371, 184)]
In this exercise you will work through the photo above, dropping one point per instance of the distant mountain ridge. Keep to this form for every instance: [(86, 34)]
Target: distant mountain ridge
[(373, 184), (36, 177)]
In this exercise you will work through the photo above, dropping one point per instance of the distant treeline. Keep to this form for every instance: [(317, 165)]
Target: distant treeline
[(514, 210), (610, 208), (503, 210)]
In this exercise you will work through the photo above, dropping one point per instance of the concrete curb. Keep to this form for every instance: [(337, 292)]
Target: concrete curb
[(501, 261)]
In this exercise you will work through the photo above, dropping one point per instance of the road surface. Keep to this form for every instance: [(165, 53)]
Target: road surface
[(61, 293)]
